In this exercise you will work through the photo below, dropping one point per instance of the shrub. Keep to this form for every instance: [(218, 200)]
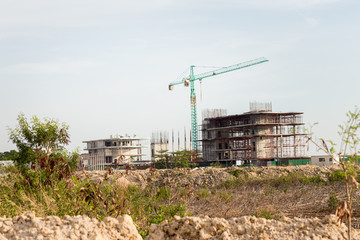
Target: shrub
[(231, 183), (337, 175), (215, 165), (162, 194), (313, 180), (203, 193), (263, 214), (225, 196), (333, 201), (237, 172)]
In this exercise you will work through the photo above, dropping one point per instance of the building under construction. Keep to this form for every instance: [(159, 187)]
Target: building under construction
[(117, 149), (159, 144), (258, 137)]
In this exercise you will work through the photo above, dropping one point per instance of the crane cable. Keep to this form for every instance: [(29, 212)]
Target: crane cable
[(201, 80), (208, 67), (181, 76), (200, 90)]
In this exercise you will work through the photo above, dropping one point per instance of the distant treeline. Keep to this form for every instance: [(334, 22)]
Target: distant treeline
[(9, 155)]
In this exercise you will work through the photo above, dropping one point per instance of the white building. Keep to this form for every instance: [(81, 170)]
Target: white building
[(322, 160), (116, 149), (158, 149)]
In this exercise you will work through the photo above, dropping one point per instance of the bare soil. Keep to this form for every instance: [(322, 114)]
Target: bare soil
[(276, 191)]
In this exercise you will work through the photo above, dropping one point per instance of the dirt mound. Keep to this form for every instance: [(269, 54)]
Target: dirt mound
[(247, 227), (162, 177), (250, 227), (79, 227), (208, 176)]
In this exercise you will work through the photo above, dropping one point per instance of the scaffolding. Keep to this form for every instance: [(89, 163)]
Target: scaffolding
[(257, 136), (117, 149)]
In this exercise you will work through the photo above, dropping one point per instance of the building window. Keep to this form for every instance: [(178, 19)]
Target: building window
[(107, 144), (330, 159), (108, 159), (321, 159), (220, 146)]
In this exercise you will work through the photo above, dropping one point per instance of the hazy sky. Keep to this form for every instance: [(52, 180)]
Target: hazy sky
[(104, 67)]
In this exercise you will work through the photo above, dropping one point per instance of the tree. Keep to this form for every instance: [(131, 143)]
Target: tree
[(35, 137), (178, 159), (162, 159), (42, 143), (11, 155), (346, 156)]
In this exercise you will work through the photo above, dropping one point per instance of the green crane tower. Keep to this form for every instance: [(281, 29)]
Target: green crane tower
[(192, 78)]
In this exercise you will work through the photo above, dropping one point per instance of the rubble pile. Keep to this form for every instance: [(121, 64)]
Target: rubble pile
[(250, 227), (79, 227), (204, 176), (247, 227)]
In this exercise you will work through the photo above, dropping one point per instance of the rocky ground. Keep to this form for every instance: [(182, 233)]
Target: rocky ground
[(79, 227), (227, 212), (247, 227), (203, 176), (250, 227), (306, 200)]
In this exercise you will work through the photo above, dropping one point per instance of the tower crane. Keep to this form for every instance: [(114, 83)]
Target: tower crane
[(189, 81)]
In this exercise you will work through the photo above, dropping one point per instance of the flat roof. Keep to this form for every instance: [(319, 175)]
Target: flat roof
[(257, 113), (119, 139)]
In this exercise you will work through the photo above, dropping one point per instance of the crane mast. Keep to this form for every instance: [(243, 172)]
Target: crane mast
[(190, 81), (194, 125)]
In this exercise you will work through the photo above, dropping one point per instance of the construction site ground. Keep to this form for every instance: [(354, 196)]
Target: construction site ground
[(270, 192)]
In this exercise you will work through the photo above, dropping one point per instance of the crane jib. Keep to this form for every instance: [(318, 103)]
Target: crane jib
[(192, 78)]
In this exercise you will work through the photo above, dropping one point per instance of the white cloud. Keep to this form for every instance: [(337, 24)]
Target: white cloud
[(287, 3), (312, 22), (70, 13), (48, 68), (264, 4)]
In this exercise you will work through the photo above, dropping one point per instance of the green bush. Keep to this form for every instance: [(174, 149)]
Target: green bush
[(225, 196), (237, 172), (203, 193), (313, 180), (167, 212), (162, 194), (215, 165), (337, 175), (333, 201), (231, 183), (263, 214)]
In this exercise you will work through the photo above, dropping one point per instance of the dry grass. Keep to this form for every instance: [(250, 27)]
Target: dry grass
[(301, 200)]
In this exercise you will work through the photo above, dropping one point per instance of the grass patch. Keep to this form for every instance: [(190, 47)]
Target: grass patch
[(333, 201), (313, 180), (72, 196), (203, 193), (337, 175), (225, 196), (263, 214), (236, 173)]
